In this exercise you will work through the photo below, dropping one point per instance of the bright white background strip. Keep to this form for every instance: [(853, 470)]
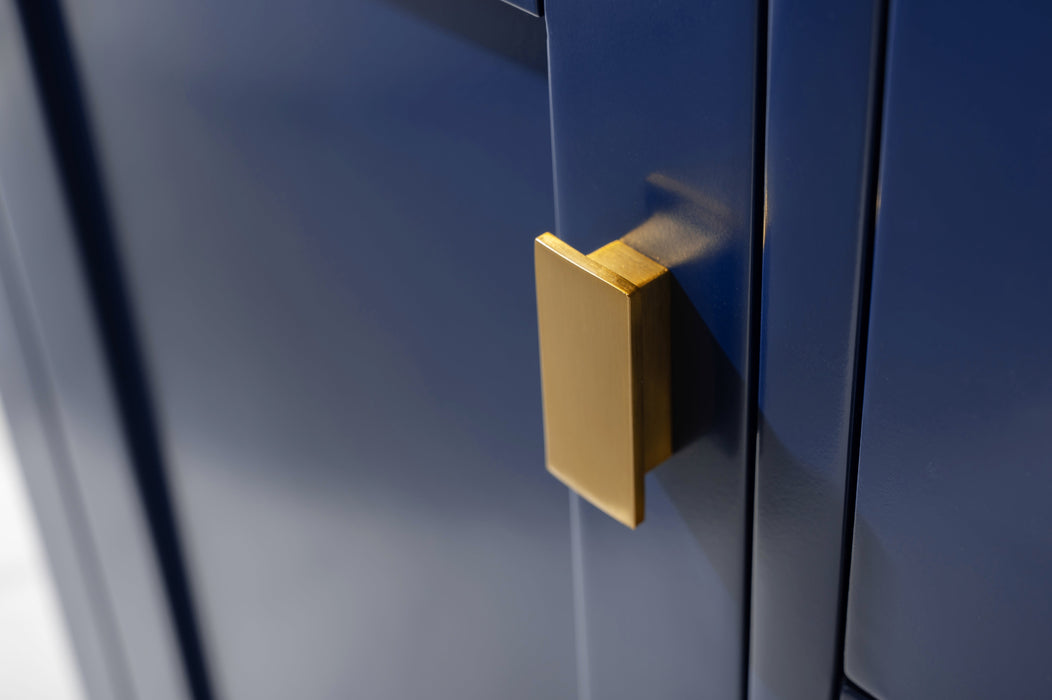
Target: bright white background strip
[(36, 662)]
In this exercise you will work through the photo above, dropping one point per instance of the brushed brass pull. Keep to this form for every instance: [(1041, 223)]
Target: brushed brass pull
[(604, 336)]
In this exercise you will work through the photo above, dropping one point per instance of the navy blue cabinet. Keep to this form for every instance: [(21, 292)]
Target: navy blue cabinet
[(267, 273)]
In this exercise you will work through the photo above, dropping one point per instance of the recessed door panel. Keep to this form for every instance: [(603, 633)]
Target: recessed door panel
[(326, 214)]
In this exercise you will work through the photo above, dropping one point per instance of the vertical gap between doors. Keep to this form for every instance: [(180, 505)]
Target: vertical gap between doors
[(871, 202), (755, 288)]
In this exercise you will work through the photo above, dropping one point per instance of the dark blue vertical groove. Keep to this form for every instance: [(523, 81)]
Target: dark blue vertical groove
[(755, 296), (70, 134), (880, 29)]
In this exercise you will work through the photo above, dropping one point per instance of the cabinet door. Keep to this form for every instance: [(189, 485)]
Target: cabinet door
[(307, 229), (952, 558), (324, 214)]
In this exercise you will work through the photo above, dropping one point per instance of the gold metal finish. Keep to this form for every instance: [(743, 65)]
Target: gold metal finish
[(604, 331)]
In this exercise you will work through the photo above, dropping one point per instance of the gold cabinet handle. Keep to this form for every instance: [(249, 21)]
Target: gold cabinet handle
[(605, 361)]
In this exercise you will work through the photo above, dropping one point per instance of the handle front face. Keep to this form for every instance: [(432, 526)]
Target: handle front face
[(604, 337)]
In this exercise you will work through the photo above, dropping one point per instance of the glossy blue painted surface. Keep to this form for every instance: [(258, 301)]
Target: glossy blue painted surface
[(952, 559), (654, 112), (326, 215), (821, 106)]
